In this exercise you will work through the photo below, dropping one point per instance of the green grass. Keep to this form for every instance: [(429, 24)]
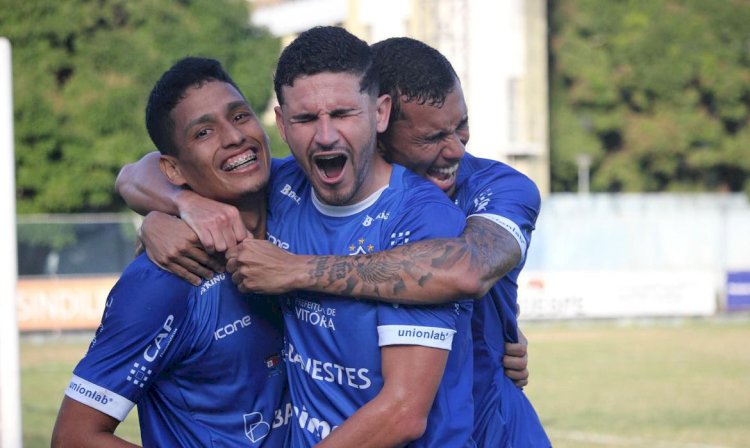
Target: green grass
[(46, 367), (661, 384), (667, 384)]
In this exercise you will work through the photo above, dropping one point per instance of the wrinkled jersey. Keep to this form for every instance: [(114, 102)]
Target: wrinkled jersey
[(504, 417), (333, 344), (203, 363)]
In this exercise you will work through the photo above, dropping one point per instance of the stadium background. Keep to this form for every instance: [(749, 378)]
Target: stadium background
[(635, 299)]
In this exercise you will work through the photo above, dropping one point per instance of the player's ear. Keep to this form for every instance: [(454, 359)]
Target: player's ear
[(280, 123), (170, 166), (383, 111)]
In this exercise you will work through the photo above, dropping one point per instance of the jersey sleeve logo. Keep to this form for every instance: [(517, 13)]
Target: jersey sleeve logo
[(139, 375), (481, 202), (400, 238)]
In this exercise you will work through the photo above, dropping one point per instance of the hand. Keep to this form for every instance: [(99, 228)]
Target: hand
[(217, 225), (171, 244), (260, 266), (516, 361)]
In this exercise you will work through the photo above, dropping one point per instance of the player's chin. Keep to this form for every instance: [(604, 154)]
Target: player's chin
[(447, 185)]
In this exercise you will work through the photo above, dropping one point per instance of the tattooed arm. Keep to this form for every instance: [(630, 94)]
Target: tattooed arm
[(430, 271)]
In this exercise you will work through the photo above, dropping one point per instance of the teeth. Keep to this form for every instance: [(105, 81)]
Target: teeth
[(447, 171), (243, 159)]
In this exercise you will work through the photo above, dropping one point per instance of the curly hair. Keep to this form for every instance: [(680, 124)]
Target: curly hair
[(325, 49), (414, 71)]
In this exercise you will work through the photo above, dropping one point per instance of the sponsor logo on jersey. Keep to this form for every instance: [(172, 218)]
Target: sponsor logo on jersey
[(233, 327), (281, 416), (481, 202), (216, 279), (139, 375), (399, 238), (360, 248), (421, 333), (314, 425), (330, 372), (89, 393), (161, 341), (314, 314), (277, 241), (291, 194), (256, 429), (369, 219)]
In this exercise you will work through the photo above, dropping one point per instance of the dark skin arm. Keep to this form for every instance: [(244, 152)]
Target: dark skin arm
[(81, 426)]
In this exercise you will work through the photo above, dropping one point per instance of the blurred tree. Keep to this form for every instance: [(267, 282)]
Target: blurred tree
[(82, 70), (656, 92)]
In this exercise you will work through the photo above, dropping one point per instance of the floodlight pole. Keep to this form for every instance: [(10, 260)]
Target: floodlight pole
[(10, 384)]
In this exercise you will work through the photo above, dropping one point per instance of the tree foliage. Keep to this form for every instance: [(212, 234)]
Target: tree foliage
[(656, 92), (82, 71)]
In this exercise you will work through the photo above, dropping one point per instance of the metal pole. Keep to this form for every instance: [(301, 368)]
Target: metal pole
[(584, 164), (10, 385)]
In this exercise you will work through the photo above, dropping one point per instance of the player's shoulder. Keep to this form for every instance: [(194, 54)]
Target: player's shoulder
[(288, 183), (144, 281), (285, 170), (476, 173), (414, 187), (476, 168)]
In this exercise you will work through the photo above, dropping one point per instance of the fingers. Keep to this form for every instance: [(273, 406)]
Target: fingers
[(516, 362), (518, 350)]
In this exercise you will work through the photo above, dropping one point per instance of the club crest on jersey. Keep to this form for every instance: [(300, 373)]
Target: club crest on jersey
[(481, 203), (399, 238), (360, 248)]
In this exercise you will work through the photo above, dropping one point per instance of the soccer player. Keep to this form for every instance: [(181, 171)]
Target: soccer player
[(203, 363), (381, 375), (428, 131)]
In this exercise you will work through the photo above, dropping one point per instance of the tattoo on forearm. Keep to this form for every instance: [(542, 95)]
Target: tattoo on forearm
[(400, 272)]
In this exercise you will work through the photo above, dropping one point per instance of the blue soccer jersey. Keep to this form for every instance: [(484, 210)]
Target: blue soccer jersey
[(504, 417), (333, 344), (203, 363)]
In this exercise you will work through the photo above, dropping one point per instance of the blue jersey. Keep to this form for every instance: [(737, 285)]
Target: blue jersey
[(333, 350), (504, 417), (203, 363)]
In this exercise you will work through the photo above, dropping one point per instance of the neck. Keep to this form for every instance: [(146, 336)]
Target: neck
[(253, 213)]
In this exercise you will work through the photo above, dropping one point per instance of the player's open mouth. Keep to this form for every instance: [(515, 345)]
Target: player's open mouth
[(240, 161), (443, 177), (330, 166)]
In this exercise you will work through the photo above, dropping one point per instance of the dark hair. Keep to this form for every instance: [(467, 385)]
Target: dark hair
[(325, 49), (170, 89), (412, 69)]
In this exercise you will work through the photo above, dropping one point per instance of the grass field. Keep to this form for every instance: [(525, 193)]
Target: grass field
[(659, 384)]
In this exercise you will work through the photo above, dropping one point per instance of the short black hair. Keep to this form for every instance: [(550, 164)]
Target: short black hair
[(325, 49), (170, 89), (412, 69)]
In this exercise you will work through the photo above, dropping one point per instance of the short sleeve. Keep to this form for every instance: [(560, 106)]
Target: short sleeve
[(506, 197), (141, 333)]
